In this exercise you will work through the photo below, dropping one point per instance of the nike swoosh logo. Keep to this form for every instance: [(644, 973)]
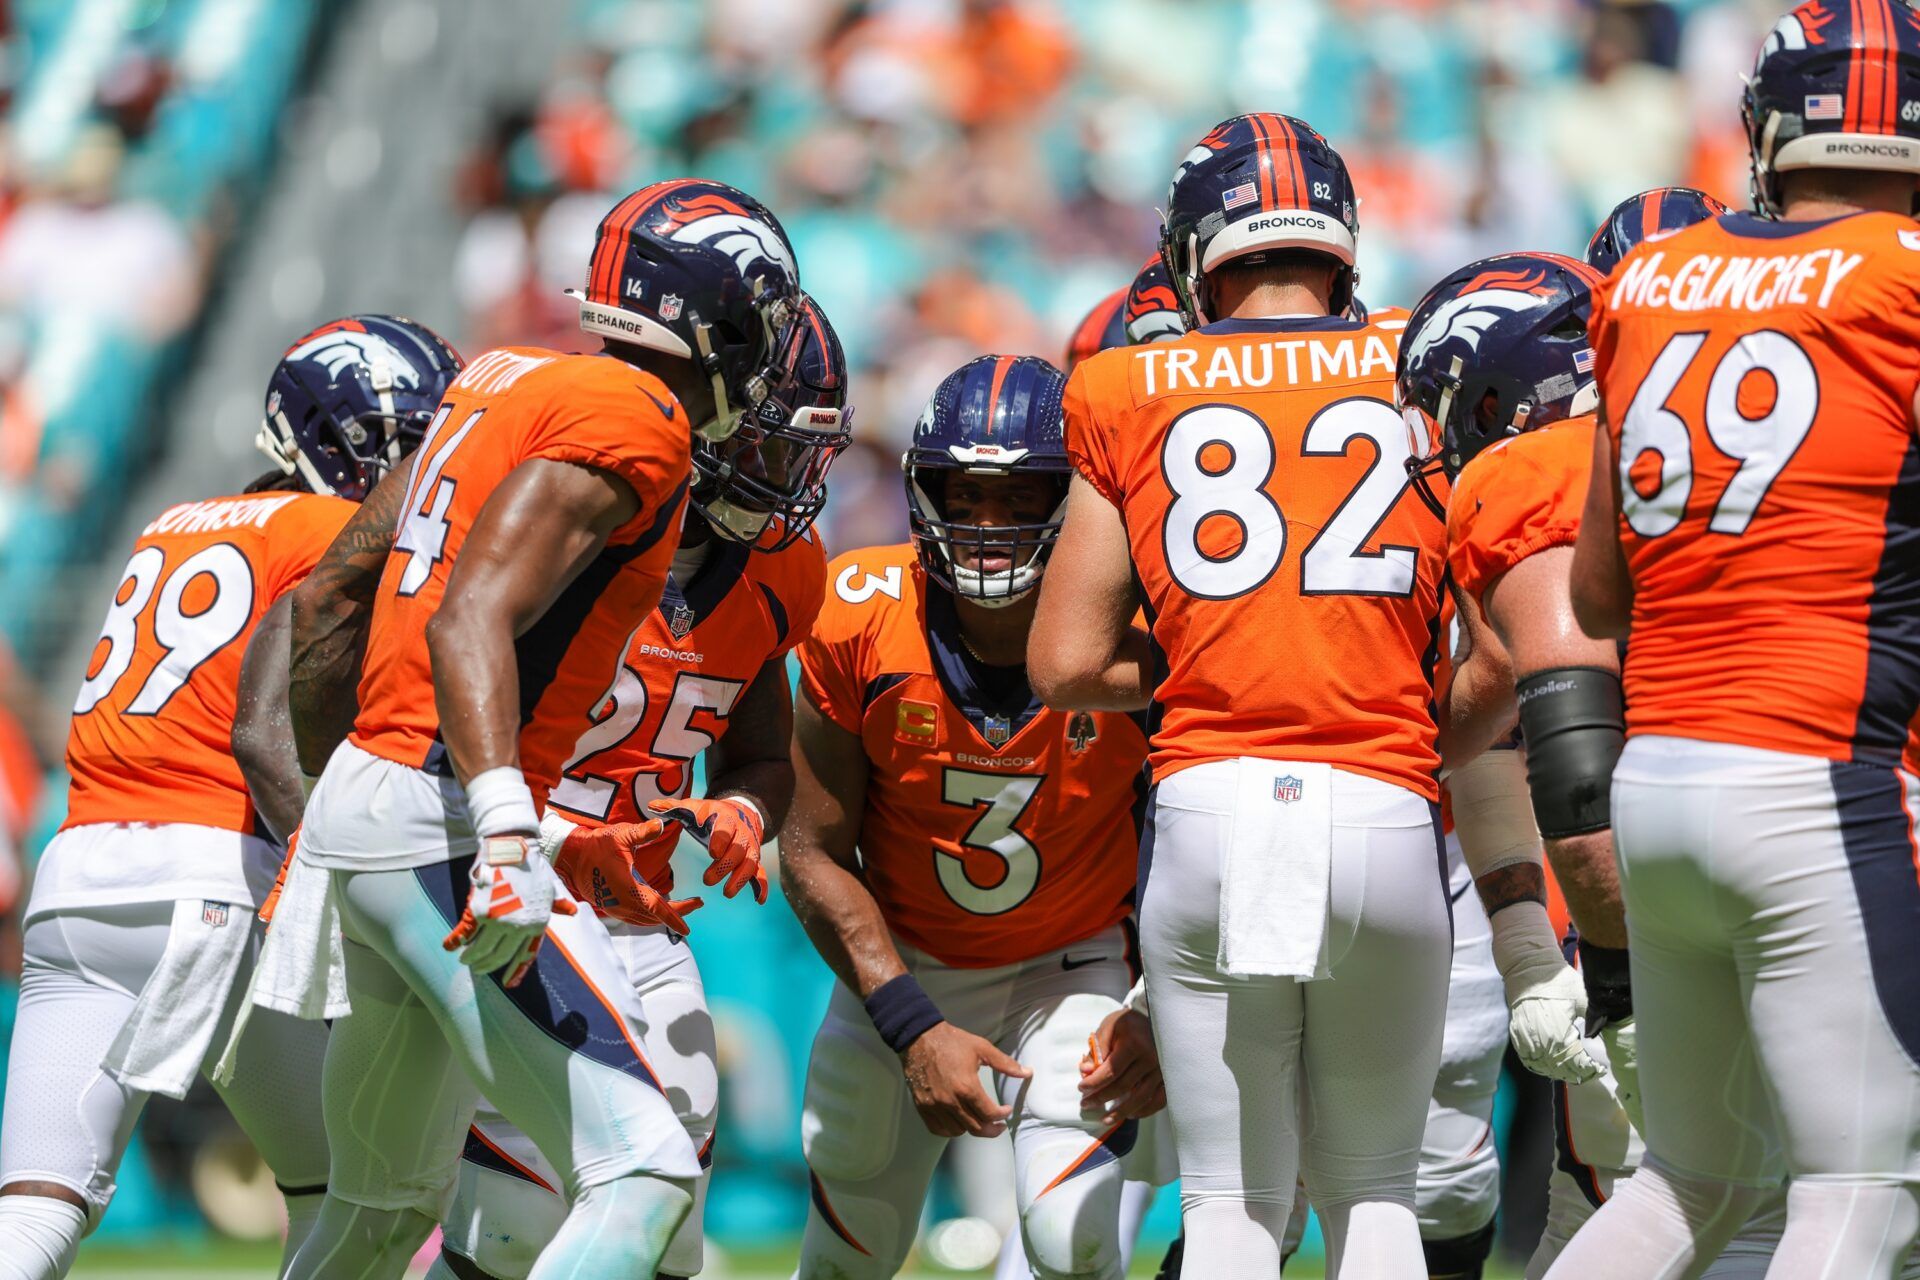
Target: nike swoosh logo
[(1070, 964), (665, 406)]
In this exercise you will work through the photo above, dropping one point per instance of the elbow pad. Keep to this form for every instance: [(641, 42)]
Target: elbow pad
[(1574, 721), (1493, 813)]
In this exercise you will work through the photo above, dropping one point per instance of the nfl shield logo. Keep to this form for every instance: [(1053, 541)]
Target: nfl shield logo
[(213, 914), (1286, 790), (680, 622), (997, 729), (670, 306)]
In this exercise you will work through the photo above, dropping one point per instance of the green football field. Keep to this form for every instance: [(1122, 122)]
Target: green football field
[(161, 1262)]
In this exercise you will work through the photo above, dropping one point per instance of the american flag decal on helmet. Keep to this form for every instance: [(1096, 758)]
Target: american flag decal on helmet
[(1824, 106), (1583, 360), (1242, 194)]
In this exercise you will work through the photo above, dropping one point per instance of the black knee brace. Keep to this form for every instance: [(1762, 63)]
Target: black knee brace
[(1461, 1258), (1574, 721)]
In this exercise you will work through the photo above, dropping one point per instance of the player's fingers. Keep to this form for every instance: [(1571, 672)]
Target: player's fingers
[(463, 930), (1006, 1065), (982, 1111), (565, 907), (524, 963), (760, 883)]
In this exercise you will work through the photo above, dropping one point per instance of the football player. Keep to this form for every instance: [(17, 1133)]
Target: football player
[(961, 855), (1247, 482), (1754, 512), (140, 931), (537, 532), (1144, 311), (705, 673)]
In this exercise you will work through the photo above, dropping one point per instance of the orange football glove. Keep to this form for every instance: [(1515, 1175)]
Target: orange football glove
[(732, 830), (279, 881), (597, 864)]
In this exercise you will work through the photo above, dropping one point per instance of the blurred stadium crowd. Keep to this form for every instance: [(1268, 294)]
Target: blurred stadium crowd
[(960, 175)]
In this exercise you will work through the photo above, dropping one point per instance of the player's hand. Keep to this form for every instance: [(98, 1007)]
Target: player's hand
[(732, 831), (507, 912), (1120, 1075), (1546, 1001), (598, 864), (943, 1070), (1623, 1053), (1547, 1015)]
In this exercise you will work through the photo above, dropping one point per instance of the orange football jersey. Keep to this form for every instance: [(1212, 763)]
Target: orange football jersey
[(1291, 574), (508, 407), (152, 727), (685, 667), (996, 829), (1521, 496), (1759, 380)]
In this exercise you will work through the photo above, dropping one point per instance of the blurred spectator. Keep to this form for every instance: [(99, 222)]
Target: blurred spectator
[(77, 250), (1621, 125)]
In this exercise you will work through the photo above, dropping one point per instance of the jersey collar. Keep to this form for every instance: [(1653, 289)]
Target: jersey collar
[(980, 692)]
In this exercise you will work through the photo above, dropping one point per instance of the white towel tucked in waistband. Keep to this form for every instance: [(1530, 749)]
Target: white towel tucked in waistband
[(165, 1038), (1279, 860), (302, 970)]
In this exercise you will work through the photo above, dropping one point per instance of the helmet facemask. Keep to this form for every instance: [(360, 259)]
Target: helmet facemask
[(991, 565)]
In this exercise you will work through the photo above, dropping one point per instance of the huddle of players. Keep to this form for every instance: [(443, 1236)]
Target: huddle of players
[(502, 664)]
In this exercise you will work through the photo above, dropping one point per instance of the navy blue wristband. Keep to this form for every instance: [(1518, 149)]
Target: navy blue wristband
[(902, 1012)]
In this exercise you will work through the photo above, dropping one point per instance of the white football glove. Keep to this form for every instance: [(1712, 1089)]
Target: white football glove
[(1546, 1001), (514, 894)]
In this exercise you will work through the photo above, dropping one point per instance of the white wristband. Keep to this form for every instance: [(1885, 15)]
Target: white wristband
[(499, 803), (554, 831), (741, 797), (1493, 812), (1136, 999)]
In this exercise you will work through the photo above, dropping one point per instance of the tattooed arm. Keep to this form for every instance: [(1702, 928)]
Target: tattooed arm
[(331, 610)]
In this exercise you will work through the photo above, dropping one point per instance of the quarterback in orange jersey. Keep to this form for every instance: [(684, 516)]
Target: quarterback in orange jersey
[(537, 532), (705, 673), (1754, 516), (1248, 483), (962, 856), (139, 934)]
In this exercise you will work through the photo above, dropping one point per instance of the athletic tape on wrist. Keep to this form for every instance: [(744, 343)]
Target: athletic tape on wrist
[(499, 803), (902, 1012), (1522, 933)]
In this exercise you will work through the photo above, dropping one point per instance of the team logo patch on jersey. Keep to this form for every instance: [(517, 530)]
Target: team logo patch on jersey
[(1287, 789), (681, 621), (917, 722), (996, 729), (1081, 732), (213, 914)]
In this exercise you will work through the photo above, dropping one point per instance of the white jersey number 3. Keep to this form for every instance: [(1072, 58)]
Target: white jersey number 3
[(1001, 798), (1217, 460)]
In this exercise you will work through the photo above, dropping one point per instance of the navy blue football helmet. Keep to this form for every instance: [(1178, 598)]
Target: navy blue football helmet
[(1256, 184), (1638, 217), (1832, 90), (994, 416), (701, 271), (352, 398), (1152, 312), (1496, 348), (776, 464)]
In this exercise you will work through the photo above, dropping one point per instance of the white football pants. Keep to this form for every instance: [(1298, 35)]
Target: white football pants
[(68, 1122), (871, 1157), (1270, 1080), (1773, 902), (560, 1056), (507, 1204)]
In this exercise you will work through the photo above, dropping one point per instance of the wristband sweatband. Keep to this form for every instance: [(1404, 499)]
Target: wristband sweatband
[(1609, 986), (902, 1012), (499, 804)]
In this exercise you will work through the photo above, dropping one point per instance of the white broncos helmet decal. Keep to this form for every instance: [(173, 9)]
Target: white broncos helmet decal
[(745, 239), (1470, 315), (337, 349)]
